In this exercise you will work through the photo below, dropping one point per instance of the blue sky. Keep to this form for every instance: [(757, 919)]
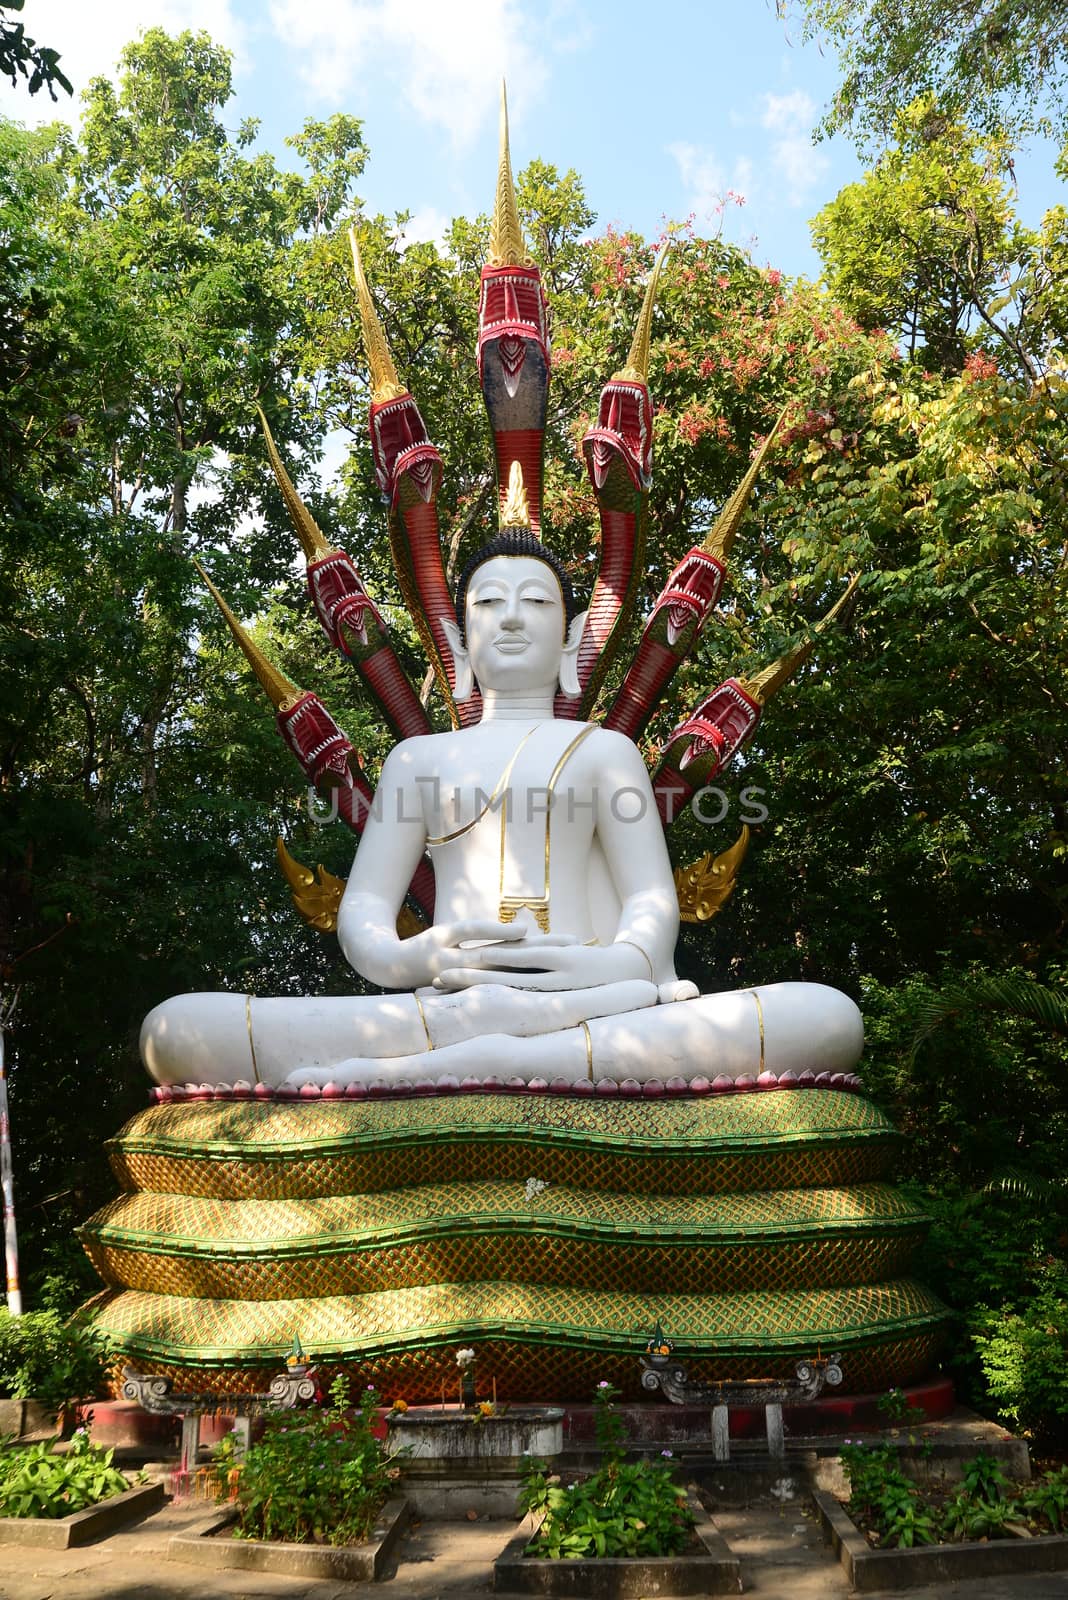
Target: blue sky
[(661, 109)]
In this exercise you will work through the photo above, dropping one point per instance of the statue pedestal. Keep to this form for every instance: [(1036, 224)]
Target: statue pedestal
[(549, 1233)]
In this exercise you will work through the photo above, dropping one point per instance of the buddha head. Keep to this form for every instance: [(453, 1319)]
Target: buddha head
[(516, 625)]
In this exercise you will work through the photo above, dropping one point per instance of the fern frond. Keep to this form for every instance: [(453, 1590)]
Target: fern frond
[(1015, 995)]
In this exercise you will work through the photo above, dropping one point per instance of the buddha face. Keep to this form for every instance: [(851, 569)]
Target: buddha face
[(514, 622)]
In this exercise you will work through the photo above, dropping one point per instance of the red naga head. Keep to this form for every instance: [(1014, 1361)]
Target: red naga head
[(624, 431), (717, 730), (400, 445), (342, 604), (691, 592), (316, 740), (511, 315)]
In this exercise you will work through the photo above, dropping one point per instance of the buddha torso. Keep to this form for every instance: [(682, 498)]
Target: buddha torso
[(510, 812)]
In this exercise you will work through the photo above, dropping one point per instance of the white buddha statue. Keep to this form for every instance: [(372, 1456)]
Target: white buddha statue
[(551, 952)]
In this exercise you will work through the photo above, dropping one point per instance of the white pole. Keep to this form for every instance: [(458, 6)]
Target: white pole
[(7, 1183)]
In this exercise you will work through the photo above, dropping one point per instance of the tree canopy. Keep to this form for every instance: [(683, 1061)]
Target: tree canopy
[(928, 245), (21, 56), (998, 64), (160, 277)]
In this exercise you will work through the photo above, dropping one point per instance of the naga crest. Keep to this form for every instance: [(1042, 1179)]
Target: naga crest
[(514, 367)]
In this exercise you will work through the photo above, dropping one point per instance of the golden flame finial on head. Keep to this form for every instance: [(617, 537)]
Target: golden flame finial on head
[(636, 369), (281, 692), (722, 536), (507, 248), (385, 385), (515, 513), (314, 545)]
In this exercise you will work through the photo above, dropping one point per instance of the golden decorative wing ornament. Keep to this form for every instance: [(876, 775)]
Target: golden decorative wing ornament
[(317, 896), (705, 886)]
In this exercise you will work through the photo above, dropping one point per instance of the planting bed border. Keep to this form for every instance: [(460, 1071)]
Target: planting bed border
[(81, 1527), (364, 1563), (19, 1417), (714, 1571), (869, 1569)]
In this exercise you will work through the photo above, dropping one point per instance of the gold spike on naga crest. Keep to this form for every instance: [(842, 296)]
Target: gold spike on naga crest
[(385, 384), (507, 247), (282, 693), (636, 367), (315, 546), (722, 535), (771, 679)]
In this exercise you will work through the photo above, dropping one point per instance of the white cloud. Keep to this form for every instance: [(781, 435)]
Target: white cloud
[(428, 225), (798, 163), (89, 39), (705, 180), (569, 26), (445, 60)]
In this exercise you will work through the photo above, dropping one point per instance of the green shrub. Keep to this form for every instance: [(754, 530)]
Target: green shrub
[(316, 1476), (44, 1358), (622, 1510), (1046, 1501), (884, 1498), (968, 1517), (1024, 1357), (37, 1482), (986, 1506)]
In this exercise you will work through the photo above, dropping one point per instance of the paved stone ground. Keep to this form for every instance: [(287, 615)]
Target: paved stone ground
[(437, 1561), (783, 1558)]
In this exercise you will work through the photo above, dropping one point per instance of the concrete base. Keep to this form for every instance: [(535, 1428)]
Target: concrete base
[(465, 1441), (709, 1569), (207, 1544), (121, 1424), (455, 1464), (870, 1570), (654, 1424), (454, 1497), (20, 1417), (82, 1527)]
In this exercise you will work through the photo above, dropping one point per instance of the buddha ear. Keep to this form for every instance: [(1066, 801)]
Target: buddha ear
[(465, 678), (569, 678)]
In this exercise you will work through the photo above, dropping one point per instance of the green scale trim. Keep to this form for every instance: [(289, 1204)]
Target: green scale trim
[(537, 1372), (373, 1327), (349, 1244), (276, 1150)]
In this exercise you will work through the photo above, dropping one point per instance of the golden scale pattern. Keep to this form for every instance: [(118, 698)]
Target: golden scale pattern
[(463, 1232), (385, 1233), (795, 1139), (381, 1333), (533, 1372)]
